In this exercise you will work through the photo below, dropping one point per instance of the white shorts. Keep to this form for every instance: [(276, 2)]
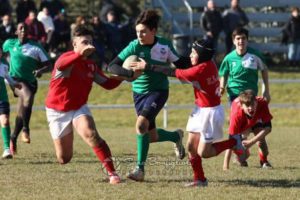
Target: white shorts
[(60, 123), (208, 122)]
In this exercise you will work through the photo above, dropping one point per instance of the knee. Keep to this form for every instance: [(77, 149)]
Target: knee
[(203, 154), (191, 149), (141, 128), (5, 122)]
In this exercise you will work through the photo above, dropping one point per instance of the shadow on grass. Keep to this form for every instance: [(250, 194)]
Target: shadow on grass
[(280, 183)]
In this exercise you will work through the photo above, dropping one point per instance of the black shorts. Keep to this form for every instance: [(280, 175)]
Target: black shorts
[(4, 108), (149, 105), (32, 86)]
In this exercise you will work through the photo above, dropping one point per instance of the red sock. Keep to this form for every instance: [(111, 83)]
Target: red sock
[(221, 146), (262, 158), (103, 153), (196, 162)]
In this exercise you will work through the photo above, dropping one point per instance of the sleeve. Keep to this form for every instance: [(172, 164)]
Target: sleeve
[(65, 60), (224, 68), (115, 67), (235, 119), (267, 117), (6, 46), (42, 54), (191, 74), (105, 81), (173, 55)]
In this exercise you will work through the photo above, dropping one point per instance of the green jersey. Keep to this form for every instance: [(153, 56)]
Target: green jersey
[(242, 71), (161, 53), (24, 58), (3, 75)]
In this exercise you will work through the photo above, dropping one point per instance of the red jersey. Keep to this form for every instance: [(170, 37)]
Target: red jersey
[(72, 80), (239, 121), (205, 80)]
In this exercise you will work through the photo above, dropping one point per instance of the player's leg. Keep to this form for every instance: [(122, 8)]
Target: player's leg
[(84, 124), (5, 130), (239, 150), (64, 148), (263, 150), (195, 160), (154, 104), (227, 157), (18, 125)]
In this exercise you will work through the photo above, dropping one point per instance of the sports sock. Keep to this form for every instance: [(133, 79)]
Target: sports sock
[(6, 136), (103, 153), (262, 157), (164, 135), (142, 149), (196, 163), (221, 146)]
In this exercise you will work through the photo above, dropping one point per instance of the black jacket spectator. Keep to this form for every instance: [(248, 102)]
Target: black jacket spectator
[(23, 8), (7, 29)]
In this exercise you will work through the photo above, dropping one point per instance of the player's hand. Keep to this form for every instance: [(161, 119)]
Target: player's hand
[(37, 73), (138, 66), (267, 96), (87, 50), (222, 91)]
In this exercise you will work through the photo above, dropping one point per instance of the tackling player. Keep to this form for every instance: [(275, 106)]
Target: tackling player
[(66, 102), (151, 89), (249, 114), (205, 124)]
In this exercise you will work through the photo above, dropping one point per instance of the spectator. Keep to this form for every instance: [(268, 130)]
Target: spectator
[(115, 40), (108, 5), (7, 28), (23, 8), (36, 30), (61, 32), (100, 38), (54, 6), (292, 29), (5, 7), (232, 18), (80, 20), (47, 21), (211, 22)]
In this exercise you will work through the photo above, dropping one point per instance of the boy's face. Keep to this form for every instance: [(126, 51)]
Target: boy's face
[(250, 109), (82, 42), (144, 34), (240, 42)]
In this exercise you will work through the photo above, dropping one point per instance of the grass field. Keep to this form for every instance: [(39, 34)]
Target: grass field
[(35, 174)]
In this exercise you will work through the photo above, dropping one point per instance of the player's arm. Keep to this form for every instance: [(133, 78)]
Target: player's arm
[(45, 67), (115, 68), (265, 85), (183, 63), (66, 60), (223, 74), (267, 128), (106, 82)]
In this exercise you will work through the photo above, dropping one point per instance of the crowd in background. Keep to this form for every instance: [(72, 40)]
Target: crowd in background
[(49, 25)]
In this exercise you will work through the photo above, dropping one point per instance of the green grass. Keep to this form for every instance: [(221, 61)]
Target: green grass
[(35, 174)]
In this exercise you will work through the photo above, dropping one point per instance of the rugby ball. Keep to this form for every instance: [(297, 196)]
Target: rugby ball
[(128, 60)]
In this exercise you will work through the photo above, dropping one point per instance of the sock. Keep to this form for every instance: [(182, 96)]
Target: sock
[(262, 157), (143, 141), (6, 136), (196, 163), (221, 146), (164, 135), (103, 153)]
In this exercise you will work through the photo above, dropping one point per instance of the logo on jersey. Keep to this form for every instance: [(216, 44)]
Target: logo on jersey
[(163, 51)]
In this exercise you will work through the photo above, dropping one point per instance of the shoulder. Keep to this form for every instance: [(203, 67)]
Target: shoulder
[(163, 41)]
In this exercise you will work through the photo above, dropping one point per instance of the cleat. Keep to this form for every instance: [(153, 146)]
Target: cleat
[(197, 183), (114, 179), (13, 147), (136, 175), (25, 137), (178, 147), (7, 154), (265, 165)]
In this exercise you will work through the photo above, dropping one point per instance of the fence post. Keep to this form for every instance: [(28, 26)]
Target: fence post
[(165, 116)]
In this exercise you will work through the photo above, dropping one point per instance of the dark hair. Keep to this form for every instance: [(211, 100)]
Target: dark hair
[(81, 30), (204, 49), (240, 31), (247, 97), (149, 18)]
